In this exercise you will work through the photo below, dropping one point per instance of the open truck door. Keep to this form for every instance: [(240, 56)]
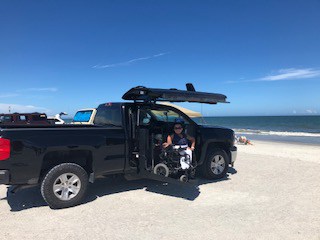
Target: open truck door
[(148, 97)]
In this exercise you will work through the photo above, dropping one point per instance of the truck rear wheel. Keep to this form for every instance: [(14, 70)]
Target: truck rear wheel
[(216, 164), (64, 185)]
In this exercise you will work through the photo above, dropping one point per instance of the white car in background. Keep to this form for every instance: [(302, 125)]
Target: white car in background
[(84, 116)]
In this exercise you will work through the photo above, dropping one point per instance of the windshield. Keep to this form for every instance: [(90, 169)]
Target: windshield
[(200, 120), (82, 116), (167, 116), (6, 119)]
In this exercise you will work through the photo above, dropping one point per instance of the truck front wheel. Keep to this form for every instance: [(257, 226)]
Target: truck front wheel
[(216, 164), (64, 185)]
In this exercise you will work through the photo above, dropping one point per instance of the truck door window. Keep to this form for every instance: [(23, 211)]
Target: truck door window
[(145, 118), (109, 115)]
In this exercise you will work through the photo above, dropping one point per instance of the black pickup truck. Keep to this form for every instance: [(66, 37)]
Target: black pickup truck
[(126, 138)]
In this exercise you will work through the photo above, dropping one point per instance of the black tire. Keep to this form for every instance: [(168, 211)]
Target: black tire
[(215, 165), (161, 169), (192, 173), (183, 178), (72, 192)]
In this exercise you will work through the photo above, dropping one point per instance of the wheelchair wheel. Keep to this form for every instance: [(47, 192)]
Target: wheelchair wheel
[(192, 173), (161, 169), (184, 178)]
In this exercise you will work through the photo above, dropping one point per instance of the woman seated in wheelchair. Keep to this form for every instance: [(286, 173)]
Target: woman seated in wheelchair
[(179, 140)]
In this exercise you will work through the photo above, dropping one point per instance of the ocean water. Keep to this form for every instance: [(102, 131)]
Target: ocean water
[(67, 120), (302, 129)]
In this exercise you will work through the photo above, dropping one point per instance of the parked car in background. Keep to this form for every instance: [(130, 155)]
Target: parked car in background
[(23, 119), (84, 116)]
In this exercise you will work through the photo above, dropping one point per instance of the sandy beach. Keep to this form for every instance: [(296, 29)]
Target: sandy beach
[(273, 192)]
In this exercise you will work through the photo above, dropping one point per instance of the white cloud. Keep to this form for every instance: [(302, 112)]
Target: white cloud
[(8, 95), (20, 91), (126, 63), (309, 111), (4, 108), (51, 89), (286, 74), (160, 54), (292, 73)]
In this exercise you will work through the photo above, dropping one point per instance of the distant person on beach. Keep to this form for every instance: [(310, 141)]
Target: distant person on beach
[(243, 140)]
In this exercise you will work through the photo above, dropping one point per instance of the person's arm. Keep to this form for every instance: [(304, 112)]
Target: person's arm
[(168, 143), (193, 142)]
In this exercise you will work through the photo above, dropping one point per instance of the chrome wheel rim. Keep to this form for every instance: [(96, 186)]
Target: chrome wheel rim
[(67, 186), (218, 164)]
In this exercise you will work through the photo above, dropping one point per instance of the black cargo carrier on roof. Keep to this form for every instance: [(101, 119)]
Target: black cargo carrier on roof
[(173, 95), (127, 138)]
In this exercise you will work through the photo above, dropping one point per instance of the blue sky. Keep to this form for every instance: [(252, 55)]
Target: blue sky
[(66, 55)]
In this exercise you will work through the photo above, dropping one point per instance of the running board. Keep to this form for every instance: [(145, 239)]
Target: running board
[(148, 175)]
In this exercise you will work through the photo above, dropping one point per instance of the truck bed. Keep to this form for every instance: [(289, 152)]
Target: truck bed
[(33, 149)]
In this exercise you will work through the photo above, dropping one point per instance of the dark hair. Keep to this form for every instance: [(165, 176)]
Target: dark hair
[(178, 124)]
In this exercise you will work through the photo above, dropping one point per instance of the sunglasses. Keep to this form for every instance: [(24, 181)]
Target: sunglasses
[(177, 128)]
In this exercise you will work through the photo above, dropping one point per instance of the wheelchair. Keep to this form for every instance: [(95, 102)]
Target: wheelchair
[(175, 162)]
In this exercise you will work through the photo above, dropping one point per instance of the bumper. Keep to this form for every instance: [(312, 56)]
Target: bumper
[(233, 151), (4, 177)]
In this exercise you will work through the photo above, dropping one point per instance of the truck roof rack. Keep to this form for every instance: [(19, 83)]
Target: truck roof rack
[(144, 94)]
